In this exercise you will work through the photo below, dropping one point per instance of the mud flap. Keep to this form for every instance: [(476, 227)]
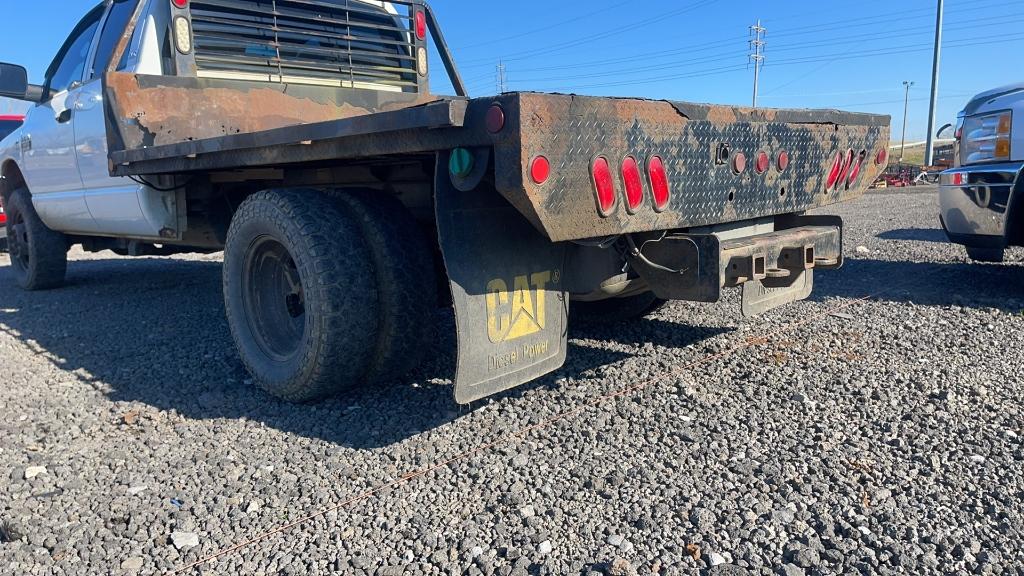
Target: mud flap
[(507, 288)]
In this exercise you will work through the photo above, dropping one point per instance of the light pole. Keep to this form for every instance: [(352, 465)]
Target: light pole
[(906, 108), (929, 151)]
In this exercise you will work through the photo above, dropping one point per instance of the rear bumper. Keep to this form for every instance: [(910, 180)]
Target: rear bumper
[(974, 203)]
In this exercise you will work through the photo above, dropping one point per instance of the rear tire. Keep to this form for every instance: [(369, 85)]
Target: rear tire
[(405, 278), (39, 256), (616, 310), (992, 255), (299, 294)]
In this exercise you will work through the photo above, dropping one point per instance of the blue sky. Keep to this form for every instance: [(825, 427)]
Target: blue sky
[(853, 56)]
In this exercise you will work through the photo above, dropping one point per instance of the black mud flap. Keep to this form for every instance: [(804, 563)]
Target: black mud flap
[(507, 288)]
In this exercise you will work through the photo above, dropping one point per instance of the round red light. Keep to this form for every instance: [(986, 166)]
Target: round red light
[(180, 3), (659, 183), (421, 24), (495, 119), (762, 163), (604, 185), (540, 170), (782, 162), (634, 183), (882, 157), (739, 163)]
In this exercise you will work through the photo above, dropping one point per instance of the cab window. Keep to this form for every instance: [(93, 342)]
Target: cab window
[(113, 29), (69, 66)]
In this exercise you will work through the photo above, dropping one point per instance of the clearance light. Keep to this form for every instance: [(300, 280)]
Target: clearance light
[(633, 182), (604, 185), (182, 4), (182, 35), (540, 170), (495, 120), (659, 183)]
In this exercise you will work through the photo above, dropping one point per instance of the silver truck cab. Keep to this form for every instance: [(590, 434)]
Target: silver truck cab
[(980, 197)]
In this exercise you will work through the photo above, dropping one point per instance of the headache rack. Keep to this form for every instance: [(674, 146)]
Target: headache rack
[(344, 43)]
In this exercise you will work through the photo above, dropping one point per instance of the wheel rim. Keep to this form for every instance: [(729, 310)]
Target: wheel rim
[(17, 242), (275, 301)]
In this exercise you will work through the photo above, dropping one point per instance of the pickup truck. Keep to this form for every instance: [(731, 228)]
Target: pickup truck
[(301, 138), (8, 123), (980, 197)]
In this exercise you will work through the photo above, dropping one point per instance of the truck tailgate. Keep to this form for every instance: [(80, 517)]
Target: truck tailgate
[(698, 146)]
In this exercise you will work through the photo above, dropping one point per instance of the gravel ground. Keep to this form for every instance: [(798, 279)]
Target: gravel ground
[(884, 438)]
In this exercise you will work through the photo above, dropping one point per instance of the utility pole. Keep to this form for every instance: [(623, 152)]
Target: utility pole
[(906, 108), (502, 78), (929, 151), (757, 44)]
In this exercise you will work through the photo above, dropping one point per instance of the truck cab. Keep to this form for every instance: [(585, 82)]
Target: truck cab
[(981, 197)]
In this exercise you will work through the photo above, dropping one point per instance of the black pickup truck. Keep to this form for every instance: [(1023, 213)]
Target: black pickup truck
[(301, 138)]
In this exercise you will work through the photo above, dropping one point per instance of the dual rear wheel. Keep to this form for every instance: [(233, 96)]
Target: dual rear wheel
[(325, 293)]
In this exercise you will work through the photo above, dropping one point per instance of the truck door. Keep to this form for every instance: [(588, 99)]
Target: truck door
[(119, 206), (48, 144)]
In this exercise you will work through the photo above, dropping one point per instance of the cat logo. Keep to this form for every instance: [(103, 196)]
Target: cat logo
[(518, 314)]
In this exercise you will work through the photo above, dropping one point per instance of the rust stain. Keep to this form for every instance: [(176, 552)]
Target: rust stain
[(173, 114)]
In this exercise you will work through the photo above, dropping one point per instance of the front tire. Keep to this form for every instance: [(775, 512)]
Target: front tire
[(991, 255), (39, 256), (299, 294)]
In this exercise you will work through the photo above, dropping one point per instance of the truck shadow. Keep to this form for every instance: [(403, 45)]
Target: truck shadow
[(153, 331), (972, 285), (916, 235)]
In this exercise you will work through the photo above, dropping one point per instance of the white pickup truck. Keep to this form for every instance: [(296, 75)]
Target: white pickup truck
[(301, 138), (981, 196)]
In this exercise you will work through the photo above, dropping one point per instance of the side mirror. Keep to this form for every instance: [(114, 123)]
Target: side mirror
[(943, 130), (14, 83)]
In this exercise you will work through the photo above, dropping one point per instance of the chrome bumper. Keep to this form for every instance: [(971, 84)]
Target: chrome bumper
[(974, 202)]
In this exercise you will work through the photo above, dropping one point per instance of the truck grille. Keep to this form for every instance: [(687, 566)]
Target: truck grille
[(349, 43)]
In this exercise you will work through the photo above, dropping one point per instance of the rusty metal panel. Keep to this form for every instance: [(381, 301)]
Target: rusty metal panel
[(571, 131), (153, 111)]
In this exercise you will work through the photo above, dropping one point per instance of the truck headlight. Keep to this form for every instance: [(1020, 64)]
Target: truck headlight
[(986, 138)]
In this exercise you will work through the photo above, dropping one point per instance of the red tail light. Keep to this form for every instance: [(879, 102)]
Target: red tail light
[(604, 185), (833, 175), (762, 163), (540, 170), (739, 163), (882, 157), (847, 164), (659, 182), (180, 3), (782, 162), (421, 23), (857, 165), (634, 183)]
